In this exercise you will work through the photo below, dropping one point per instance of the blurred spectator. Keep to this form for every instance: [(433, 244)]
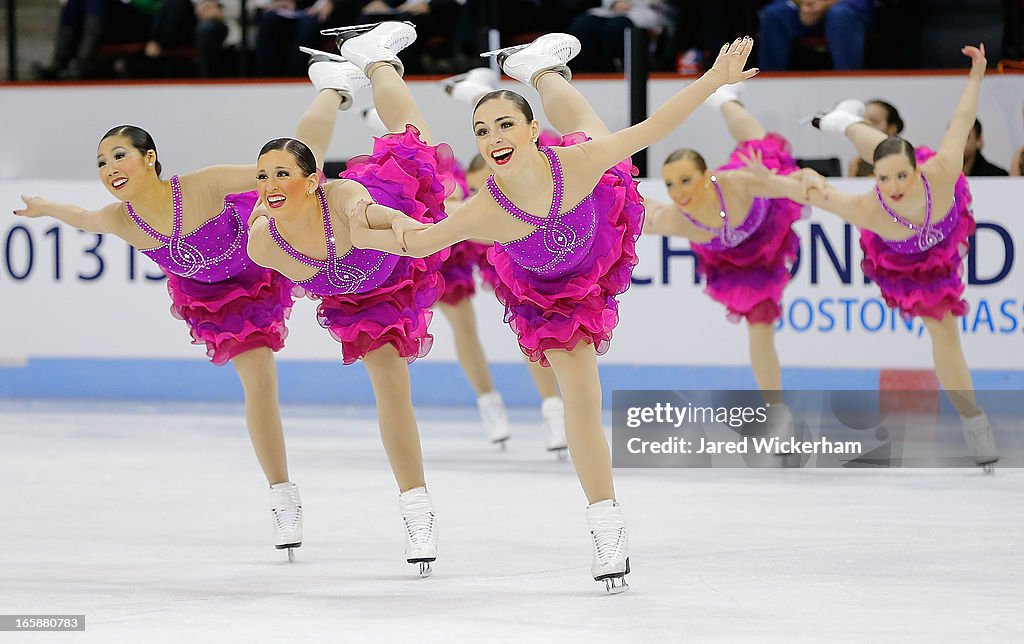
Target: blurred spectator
[(883, 117), (217, 34), (174, 26), (843, 22), (83, 25), (703, 27), (601, 31), (437, 30), (212, 33), (1013, 29), (285, 25), (976, 165)]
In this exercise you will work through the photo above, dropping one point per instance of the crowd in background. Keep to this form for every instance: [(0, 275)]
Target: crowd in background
[(260, 38)]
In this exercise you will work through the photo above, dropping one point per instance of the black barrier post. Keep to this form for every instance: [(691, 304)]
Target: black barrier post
[(12, 46), (636, 73), (243, 48)]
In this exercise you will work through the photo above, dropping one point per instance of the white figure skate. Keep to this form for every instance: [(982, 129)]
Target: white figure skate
[(420, 529), (286, 510)]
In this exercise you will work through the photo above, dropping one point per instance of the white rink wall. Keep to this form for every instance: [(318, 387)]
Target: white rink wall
[(51, 132), (71, 307)]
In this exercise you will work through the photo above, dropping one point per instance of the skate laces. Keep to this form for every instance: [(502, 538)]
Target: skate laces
[(286, 509), (419, 521), (608, 533)]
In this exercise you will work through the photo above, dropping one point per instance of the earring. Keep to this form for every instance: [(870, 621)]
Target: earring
[(309, 192), (151, 164)]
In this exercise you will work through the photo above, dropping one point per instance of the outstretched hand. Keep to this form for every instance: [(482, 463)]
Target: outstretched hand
[(33, 207), (732, 58), (977, 56), (755, 164)]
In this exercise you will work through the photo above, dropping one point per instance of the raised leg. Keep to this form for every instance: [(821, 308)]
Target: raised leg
[(394, 101), (316, 127), (566, 108), (741, 123), (865, 138)]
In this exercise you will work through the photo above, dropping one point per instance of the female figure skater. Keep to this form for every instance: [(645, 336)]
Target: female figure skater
[(742, 235), (194, 227), (460, 286), (559, 272), (914, 234), (376, 304), (457, 307)]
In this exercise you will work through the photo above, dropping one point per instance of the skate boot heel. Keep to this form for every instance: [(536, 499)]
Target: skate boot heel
[(615, 583)]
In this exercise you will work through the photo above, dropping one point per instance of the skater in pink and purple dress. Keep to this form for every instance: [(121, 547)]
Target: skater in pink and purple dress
[(565, 219), (741, 232), (376, 304), (914, 231), (194, 226)]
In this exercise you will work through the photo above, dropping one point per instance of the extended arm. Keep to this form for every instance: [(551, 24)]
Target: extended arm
[(416, 239), (222, 180), (805, 187), (107, 219), (606, 151), (950, 156)]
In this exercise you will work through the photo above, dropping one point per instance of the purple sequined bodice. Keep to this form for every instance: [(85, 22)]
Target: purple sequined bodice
[(357, 271), (726, 236), (211, 253), (561, 241), (925, 236)]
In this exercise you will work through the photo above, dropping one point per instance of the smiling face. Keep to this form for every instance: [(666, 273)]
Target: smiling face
[(503, 134), (121, 167), (684, 180), (280, 181), (895, 176)]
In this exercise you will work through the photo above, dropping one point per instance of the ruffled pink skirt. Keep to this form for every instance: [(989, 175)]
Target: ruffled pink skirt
[(245, 312), (406, 174), (749, 278), (929, 283), (581, 306)]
